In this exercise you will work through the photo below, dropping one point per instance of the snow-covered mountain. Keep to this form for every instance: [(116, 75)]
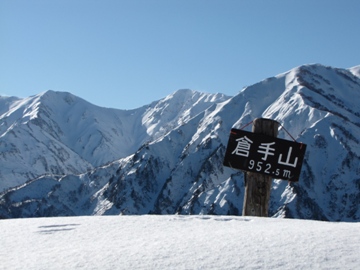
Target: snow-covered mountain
[(59, 133), (167, 157)]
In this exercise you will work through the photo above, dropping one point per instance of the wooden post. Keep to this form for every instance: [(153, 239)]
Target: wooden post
[(258, 186)]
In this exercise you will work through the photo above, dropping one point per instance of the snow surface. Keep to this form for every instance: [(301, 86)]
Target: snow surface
[(355, 70), (177, 242)]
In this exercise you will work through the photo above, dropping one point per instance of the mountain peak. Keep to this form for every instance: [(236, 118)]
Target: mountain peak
[(184, 94), (167, 157), (355, 70), (51, 98)]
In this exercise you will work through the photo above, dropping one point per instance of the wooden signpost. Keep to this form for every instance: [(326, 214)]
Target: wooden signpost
[(263, 156)]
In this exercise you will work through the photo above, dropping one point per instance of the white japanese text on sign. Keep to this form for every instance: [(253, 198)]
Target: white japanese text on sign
[(264, 154)]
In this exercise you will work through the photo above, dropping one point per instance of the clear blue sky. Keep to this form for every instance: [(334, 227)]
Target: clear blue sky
[(125, 54)]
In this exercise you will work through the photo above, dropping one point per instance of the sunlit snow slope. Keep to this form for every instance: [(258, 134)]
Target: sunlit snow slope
[(177, 167)]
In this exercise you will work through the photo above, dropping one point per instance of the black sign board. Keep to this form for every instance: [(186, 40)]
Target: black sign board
[(264, 154)]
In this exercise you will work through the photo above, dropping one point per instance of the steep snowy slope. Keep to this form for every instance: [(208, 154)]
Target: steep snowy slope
[(181, 171), (59, 133)]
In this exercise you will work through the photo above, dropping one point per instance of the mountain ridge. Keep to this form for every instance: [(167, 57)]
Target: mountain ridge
[(179, 169), (79, 133)]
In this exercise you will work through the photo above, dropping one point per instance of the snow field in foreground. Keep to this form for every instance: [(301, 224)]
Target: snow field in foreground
[(177, 242)]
